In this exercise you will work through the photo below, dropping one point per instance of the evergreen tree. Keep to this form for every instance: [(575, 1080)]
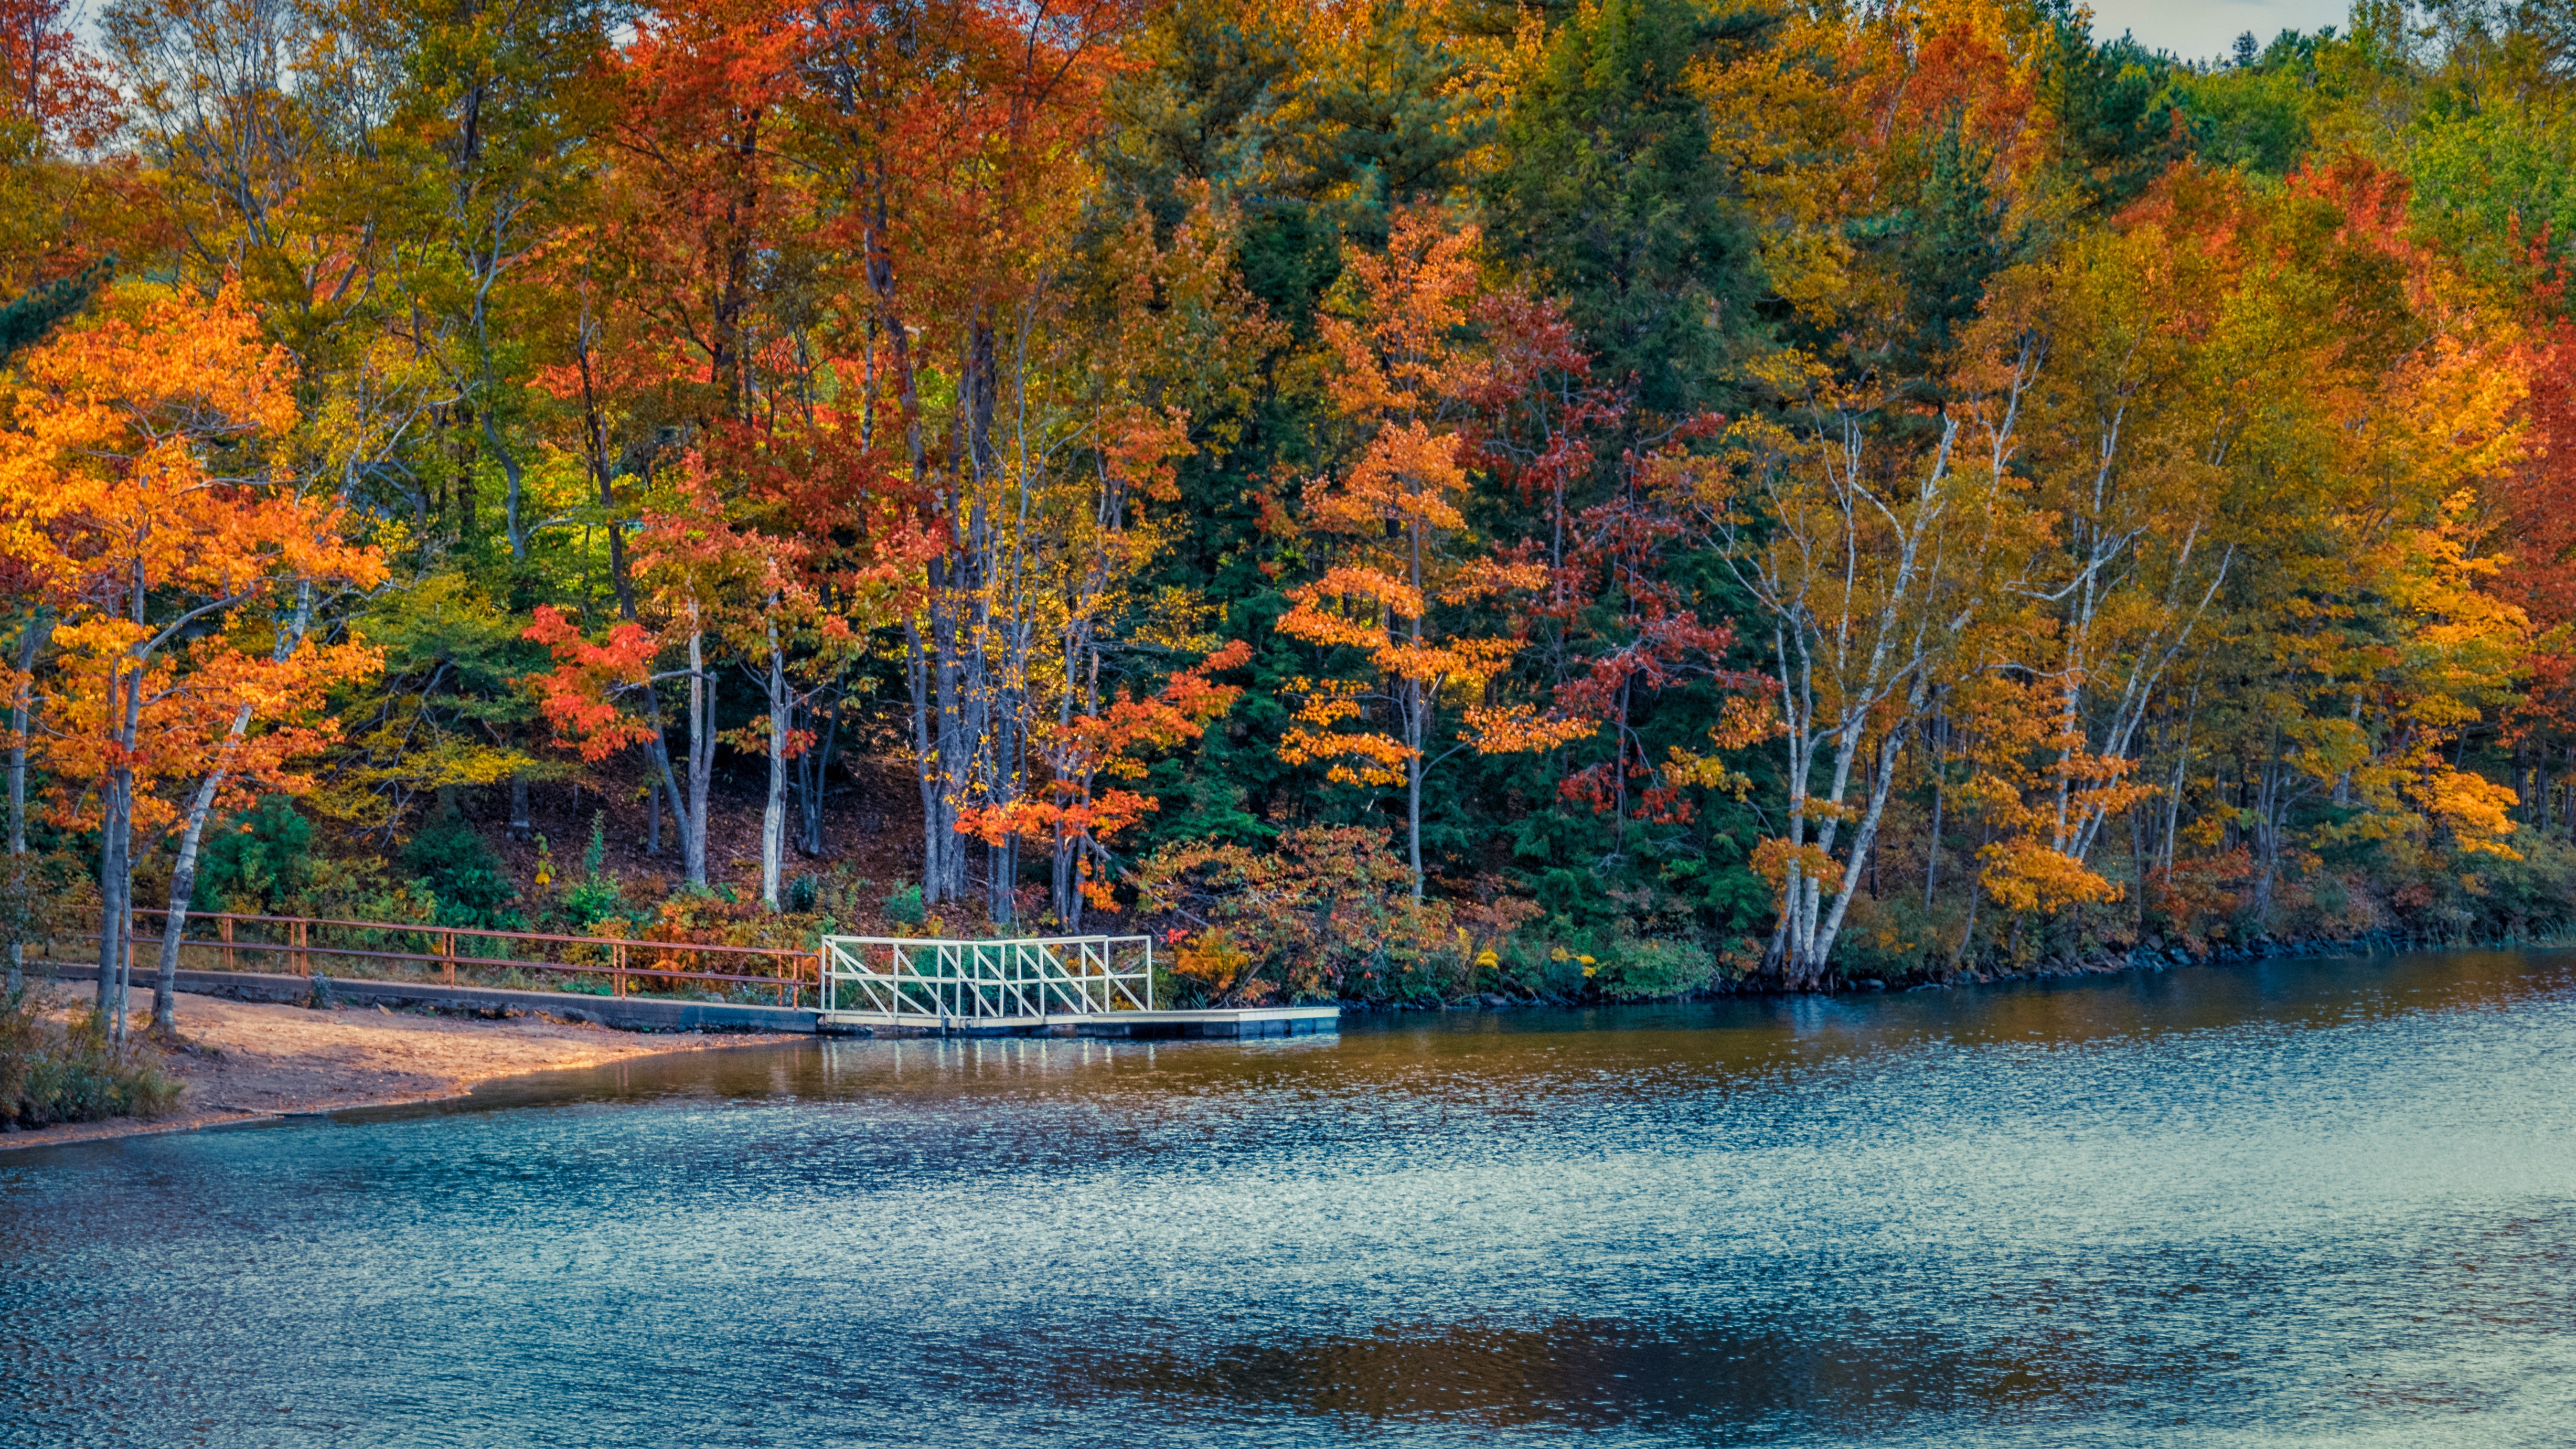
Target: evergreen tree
[(1607, 192), (25, 322)]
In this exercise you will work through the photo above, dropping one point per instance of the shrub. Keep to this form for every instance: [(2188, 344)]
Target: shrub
[(450, 859), (2532, 893), (1895, 939), (1327, 912), (586, 903), (598, 895), (1612, 963), (1539, 965), (1636, 969), (51, 1074), (251, 862)]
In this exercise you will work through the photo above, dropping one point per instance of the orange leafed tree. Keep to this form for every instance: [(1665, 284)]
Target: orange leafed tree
[(138, 502), (1078, 816), (1404, 558)]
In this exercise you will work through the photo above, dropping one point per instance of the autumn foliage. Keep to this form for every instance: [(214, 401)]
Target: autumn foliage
[(1781, 496)]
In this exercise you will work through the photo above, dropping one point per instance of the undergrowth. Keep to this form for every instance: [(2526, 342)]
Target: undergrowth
[(50, 1072)]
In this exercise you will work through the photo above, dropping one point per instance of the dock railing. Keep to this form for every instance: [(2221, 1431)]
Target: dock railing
[(614, 966), (932, 982)]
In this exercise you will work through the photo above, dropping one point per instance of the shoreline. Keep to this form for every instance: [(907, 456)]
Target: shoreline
[(2143, 960), (243, 1063)]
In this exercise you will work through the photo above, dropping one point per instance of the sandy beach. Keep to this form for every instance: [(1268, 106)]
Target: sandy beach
[(245, 1061)]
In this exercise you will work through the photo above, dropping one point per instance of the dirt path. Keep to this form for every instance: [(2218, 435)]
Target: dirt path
[(261, 1061)]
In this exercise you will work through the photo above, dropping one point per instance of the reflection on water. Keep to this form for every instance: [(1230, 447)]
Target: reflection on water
[(2305, 1201)]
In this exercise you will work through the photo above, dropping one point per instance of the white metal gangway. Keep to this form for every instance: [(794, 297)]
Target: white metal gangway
[(943, 985)]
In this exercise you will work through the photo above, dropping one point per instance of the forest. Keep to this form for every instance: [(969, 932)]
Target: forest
[(1569, 499)]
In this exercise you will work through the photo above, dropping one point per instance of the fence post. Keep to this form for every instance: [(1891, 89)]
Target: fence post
[(447, 949), (224, 928), (617, 969), (295, 941)]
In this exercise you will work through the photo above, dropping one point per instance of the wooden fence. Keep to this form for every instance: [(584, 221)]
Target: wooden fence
[(214, 940)]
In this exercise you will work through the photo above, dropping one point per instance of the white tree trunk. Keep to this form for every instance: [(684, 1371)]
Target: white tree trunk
[(183, 881), (31, 641), (773, 821)]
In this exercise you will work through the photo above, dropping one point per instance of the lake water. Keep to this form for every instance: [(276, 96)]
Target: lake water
[(2313, 1203)]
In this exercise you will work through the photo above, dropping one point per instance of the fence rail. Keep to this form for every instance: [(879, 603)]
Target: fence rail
[(936, 982), (623, 963)]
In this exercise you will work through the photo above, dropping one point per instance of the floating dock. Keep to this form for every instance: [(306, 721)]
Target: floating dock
[(1133, 1024), (1101, 986)]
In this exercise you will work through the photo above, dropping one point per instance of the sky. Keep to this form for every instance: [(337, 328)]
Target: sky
[(2197, 29)]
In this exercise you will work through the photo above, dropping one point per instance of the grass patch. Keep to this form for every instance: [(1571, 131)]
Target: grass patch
[(53, 1073)]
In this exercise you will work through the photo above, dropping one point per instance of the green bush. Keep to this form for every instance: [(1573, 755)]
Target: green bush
[(905, 906), (1894, 940), (253, 861), (1609, 963), (451, 861), (588, 902), (51, 1074), (2532, 895), (597, 895), (1636, 969)]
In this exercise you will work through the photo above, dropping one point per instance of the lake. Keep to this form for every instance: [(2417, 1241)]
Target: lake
[(2312, 1202)]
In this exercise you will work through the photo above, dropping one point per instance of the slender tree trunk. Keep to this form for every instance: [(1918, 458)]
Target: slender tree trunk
[(702, 758), (31, 641), (1976, 898), (1881, 780), (1940, 742), (1416, 730), (956, 752), (2138, 868), (1068, 891), (925, 757), (111, 895), (813, 777), (116, 838), (511, 488), (688, 807), (183, 881), (773, 820), (116, 930)]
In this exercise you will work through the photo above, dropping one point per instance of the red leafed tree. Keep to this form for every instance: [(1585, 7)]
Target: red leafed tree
[(1618, 628), (717, 577), (2539, 574), (841, 551), (60, 93), (700, 583), (699, 202)]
